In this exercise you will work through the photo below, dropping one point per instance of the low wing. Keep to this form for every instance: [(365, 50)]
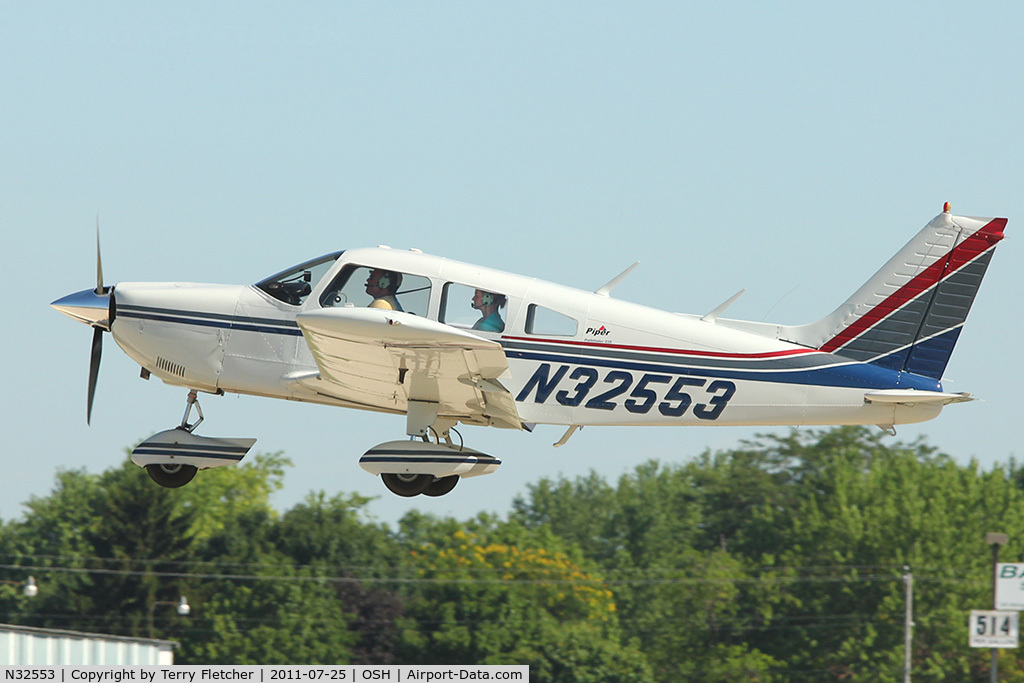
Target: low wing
[(386, 359)]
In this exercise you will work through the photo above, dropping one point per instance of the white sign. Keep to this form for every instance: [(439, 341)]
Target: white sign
[(1010, 586), (988, 628)]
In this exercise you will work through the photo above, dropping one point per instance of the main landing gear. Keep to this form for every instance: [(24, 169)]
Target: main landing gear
[(409, 485), (412, 468), (173, 457)]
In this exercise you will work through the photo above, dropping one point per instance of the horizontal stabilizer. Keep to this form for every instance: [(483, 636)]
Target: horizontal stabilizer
[(916, 397)]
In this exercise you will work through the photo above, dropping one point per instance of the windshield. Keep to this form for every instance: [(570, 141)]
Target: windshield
[(292, 286)]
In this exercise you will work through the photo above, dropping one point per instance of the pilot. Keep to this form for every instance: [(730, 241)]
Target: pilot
[(382, 286), (488, 304)]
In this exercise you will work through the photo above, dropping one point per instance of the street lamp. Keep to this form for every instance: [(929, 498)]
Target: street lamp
[(183, 609), (29, 588)]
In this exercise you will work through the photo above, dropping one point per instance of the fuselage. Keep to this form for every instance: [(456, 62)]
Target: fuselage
[(574, 357)]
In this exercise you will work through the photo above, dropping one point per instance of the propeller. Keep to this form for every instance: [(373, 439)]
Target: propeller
[(100, 289), (97, 332), (95, 308), (94, 369)]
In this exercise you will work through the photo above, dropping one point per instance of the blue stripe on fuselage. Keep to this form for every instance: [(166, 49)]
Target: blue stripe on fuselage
[(850, 375), (245, 324)]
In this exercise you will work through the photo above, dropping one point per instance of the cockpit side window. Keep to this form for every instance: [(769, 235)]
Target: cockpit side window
[(367, 287), (292, 286)]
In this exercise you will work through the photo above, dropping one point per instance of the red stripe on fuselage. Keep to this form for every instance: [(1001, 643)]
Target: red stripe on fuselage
[(656, 349), (962, 254)]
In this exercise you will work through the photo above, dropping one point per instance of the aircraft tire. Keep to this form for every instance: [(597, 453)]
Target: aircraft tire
[(407, 485), (441, 486), (171, 476)]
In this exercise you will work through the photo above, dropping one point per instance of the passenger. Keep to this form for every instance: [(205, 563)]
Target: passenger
[(488, 304), (382, 286)]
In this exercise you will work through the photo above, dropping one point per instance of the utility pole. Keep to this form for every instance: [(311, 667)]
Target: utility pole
[(995, 540), (908, 622)]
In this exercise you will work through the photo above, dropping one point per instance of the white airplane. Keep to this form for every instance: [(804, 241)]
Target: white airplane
[(444, 342)]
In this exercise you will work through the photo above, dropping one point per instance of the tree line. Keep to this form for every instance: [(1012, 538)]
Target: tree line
[(780, 560)]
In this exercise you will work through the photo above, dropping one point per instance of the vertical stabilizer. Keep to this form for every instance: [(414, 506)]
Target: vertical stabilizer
[(909, 315)]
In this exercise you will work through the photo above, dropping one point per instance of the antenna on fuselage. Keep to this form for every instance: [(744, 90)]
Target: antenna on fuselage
[(606, 290), (713, 315)]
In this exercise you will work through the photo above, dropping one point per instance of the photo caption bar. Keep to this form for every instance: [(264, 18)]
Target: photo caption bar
[(394, 673)]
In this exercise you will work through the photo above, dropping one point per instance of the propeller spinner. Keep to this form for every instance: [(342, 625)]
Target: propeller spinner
[(94, 307)]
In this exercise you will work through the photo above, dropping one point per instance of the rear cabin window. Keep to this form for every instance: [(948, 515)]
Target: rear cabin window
[(473, 308), (540, 320)]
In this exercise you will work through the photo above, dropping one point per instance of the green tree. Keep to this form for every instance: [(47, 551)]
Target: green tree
[(863, 510), (578, 653), (254, 605), (223, 493), (781, 559), (115, 551), (334, 537), (489, 590), (680, 594), (107, 538), (792, 566)]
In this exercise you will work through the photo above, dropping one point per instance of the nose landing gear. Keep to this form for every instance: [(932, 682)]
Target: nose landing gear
[(171, 476), (174, 456)]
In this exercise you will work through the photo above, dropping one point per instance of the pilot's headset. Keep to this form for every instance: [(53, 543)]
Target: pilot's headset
[(489, 298), (389, 281)]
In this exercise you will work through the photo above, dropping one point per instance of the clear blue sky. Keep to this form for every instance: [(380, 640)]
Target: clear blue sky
[(789, 148)]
